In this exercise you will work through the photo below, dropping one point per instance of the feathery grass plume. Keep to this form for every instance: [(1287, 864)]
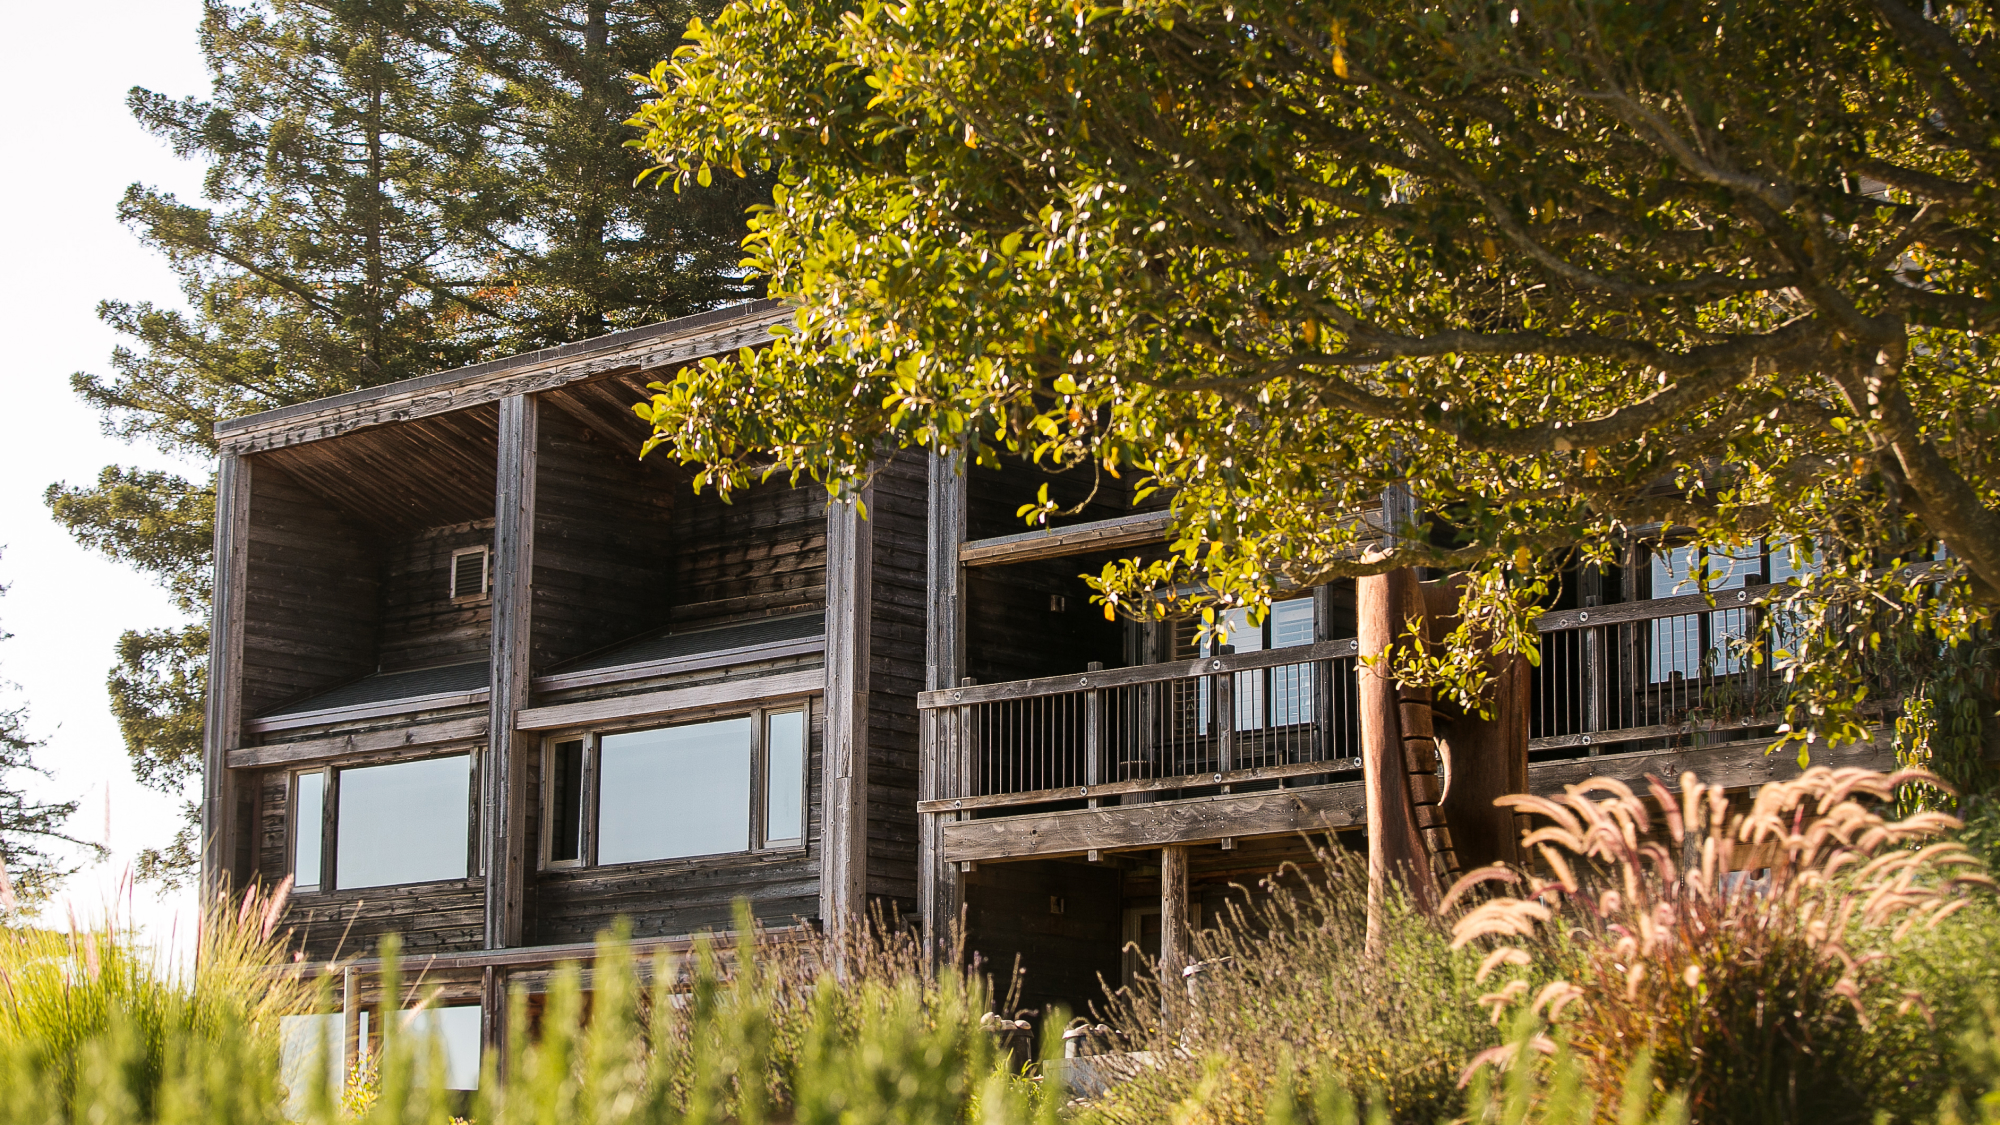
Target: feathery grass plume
[(1755, 993), (1284, 973)]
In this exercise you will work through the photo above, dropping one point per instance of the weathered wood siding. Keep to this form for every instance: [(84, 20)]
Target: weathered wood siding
[(896, 674), (1012, 633), (312, 586), (1010, 916), (763, 553), (422, 625), (603, 541)]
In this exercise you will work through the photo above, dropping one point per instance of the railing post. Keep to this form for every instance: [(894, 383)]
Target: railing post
[(1593, 656), (964, 752), (1225, 722), (1092, 737)]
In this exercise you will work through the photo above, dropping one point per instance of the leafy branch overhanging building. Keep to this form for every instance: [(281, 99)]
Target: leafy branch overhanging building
[(484, 679)]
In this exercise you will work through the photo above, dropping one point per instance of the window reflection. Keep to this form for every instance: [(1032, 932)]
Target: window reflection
[(785, 797), (403, 823), (677, 791), (308, 828)]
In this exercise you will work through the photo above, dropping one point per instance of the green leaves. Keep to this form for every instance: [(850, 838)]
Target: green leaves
[(1272, 259)]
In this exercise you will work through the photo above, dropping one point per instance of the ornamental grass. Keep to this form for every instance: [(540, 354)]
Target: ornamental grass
[(1748, 953)]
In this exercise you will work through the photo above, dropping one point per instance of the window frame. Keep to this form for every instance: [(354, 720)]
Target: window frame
[(292, 826), (329, 827), (759, 790)]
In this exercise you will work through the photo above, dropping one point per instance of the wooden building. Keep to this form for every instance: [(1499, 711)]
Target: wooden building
[(483, 678)]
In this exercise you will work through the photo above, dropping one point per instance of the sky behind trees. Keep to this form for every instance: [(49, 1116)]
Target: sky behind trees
[(74, 148)]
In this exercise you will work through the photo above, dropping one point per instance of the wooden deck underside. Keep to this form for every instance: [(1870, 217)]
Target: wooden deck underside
[(1339, 807)]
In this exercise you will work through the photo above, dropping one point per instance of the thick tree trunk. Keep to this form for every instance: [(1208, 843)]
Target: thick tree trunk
[(1406, 829), (1483, 758)]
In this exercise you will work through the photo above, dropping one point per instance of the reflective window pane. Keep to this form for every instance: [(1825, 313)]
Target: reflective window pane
[(1291, 623), (309, 1050), (403, 823), (308, 828), (1291, 684), (678, 791), (566, 801), (785, 797), (453, 1033)]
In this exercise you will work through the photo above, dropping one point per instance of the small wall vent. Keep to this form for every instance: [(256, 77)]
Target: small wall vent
[(469, 573)]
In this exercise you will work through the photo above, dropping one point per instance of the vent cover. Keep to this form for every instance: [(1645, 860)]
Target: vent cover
[(468, 573)]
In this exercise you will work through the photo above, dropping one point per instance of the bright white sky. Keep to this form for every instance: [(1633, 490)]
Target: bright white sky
[(65, 68)]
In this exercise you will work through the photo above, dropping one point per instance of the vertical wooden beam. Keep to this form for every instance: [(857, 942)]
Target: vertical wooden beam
[(350, 1022), (940, 885), (1176, 934), (1590, 581), (850, 569), (222, 835), (503, 788)]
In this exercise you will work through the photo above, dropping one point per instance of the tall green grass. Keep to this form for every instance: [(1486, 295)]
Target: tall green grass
[(1292, 1025)]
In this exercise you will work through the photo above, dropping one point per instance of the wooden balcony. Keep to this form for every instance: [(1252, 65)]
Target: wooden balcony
[(1266, 743)]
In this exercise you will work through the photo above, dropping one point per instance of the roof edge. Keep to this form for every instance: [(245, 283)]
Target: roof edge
[(478, 372)]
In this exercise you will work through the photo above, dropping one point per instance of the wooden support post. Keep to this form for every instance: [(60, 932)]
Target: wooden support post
[(850, 568), (1591, 589), (350, 1024), (940, 885), (493, 1012), (503, 788), (222, 834), (1176, 935)]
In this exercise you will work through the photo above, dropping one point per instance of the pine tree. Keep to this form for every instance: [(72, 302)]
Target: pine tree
[(394, 187), (31, 831)]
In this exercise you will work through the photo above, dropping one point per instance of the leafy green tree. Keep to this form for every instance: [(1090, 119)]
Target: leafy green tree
[(1562, 268), (393, 187)]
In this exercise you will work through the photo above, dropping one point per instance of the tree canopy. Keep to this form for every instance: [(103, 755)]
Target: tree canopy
[(393, 187), (1568, 270)]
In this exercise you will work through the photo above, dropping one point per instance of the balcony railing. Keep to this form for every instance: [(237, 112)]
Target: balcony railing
[(1649, 674)]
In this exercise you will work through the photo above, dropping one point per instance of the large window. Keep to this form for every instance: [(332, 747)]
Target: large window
[(1713, 644), (1281, 696), (690, 789), (378, 826)]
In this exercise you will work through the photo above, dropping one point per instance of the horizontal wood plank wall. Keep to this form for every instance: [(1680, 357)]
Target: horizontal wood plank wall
[(1013, 634), (993, 496), (1009, 915), (896, 675), (763, 554), (423, 626), (603, 541), (673, 897), (311, 589), (444, 917)]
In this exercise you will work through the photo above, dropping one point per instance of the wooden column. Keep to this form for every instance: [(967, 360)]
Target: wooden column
[(850, 568), (503, 789), (222, 834), (1176, 934), (940, 885)]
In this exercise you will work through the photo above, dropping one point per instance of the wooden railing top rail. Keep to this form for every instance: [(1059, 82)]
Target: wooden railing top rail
[(1554, 621), (1143, 674)]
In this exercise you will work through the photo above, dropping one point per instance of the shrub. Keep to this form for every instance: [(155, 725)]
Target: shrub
[(1287, 990), (1764, 998)]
